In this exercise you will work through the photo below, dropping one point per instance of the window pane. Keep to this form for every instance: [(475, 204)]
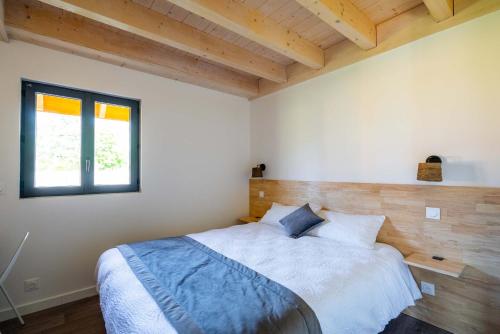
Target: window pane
[(58, 141), (112, 144)]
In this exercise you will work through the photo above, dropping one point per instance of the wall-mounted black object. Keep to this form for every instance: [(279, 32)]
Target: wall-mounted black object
[(430, 170), (434, 159), (257, 171)]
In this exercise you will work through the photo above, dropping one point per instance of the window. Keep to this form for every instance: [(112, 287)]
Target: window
[(77, 142)]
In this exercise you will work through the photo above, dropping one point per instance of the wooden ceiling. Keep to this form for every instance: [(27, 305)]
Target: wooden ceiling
[(244, 47)]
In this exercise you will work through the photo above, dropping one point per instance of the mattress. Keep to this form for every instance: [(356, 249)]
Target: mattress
[(350, 289)]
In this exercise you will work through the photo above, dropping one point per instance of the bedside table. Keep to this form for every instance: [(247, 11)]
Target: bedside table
[(249, 219), (444, 267)]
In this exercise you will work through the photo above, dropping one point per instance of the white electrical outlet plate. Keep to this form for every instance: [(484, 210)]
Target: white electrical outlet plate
[(433, 213), (32, 284), (427, 288), (261, 194)]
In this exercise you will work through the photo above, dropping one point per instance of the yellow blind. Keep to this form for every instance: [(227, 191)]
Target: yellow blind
[(112, 112), (73, 107), (58, 105)]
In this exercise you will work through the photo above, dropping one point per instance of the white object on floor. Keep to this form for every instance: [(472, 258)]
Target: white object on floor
[(350, 289), (6, 273)]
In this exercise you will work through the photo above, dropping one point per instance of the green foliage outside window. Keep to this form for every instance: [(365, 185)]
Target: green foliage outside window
[(107, 155), (58, 145)]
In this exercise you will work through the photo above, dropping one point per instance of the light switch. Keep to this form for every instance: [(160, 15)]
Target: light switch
[(261, 194), (433, 213)]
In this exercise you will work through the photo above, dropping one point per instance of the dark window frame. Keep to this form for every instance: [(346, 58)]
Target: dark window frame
[(88, 98)]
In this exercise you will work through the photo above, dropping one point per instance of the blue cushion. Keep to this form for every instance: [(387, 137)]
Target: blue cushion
[(300, 221)]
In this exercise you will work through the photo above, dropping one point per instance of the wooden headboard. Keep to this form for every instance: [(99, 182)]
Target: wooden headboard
[(469, 232)]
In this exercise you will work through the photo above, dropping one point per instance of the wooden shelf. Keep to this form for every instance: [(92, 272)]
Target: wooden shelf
[(444, 267), (249, 219)]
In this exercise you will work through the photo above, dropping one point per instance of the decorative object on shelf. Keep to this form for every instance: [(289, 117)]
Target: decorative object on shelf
[(257, 171), (430, 170)]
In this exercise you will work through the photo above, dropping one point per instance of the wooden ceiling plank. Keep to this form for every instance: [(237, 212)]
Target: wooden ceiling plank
[(146, 3), (271, 6), (147, 23), (163, 7), (255, 26), (36, 23), (3, 33), (440, 9), (346, 18), (405, 28)]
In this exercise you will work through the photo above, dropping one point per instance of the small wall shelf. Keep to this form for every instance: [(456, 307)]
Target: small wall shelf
[(444, 267)]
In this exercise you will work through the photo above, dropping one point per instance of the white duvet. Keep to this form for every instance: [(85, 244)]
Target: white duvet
[(350, 289)]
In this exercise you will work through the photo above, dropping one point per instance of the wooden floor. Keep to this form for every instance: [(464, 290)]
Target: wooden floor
[(84, 316)]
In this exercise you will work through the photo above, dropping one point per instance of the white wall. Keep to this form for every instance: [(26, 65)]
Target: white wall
[(375, 120), (195, 163)]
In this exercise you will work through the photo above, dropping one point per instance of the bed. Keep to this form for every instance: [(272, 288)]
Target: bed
[(350, 289)]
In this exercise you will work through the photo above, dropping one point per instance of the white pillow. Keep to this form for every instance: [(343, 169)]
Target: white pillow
[(353, 230), (279, 211)]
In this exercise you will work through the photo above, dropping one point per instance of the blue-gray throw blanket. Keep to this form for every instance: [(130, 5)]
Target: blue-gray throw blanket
[(202, 291)]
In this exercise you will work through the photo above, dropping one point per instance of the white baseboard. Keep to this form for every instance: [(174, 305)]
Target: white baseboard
[(49, 302)]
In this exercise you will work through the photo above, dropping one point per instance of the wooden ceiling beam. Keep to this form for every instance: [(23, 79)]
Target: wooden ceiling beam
[(346, 18), (3, 33), (34, 22), (440, 9), (144, 22), (255, 26)]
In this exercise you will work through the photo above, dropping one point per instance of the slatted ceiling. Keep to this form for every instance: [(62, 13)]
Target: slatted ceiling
[(166, 8), (161, 6), (297, 17), (280, 59), (208, 61), (322, 35), (284, 12), (231, 36), (245, 43), (271, 6), (146, 3), (380, 11), (253, 3), (176, 51), (197, 22), (289, 14), (329, 40), (249, 45), (306, 24)]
